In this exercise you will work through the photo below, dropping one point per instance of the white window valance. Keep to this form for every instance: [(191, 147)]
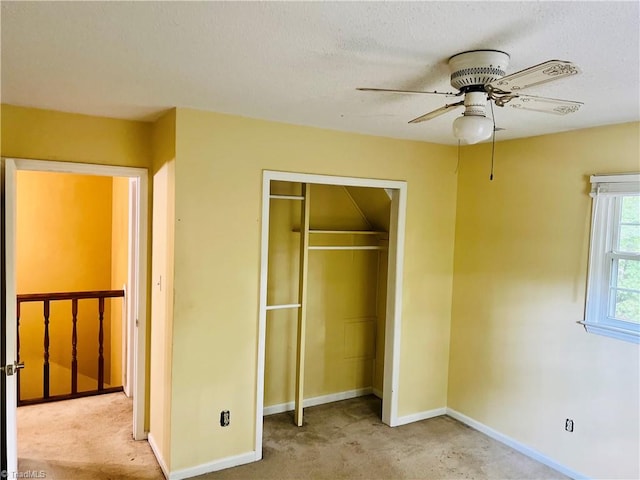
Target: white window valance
[(628, 183)]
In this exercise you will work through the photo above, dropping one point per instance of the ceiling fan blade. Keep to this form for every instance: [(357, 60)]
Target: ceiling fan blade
[(543, 104), (545, 72), (449, 94), (437, 112)]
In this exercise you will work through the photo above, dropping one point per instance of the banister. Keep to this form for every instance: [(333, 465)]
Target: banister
[(47, 298), (39, 297)]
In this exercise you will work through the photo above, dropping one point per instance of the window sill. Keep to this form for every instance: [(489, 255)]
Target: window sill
[(632, 336)]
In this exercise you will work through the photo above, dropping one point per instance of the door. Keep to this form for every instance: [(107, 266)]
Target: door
[(8, 309)]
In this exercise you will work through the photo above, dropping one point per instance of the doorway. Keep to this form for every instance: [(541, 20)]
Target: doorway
[(397, 191), (136, 279)]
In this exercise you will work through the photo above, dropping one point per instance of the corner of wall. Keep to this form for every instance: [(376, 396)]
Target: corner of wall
[(161, 292), (163, 140)]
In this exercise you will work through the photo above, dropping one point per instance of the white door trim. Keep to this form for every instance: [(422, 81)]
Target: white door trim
[(137, 290), (132, 279), (394, 286)]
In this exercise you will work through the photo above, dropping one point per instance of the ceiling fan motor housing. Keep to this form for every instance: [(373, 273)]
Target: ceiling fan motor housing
[(470, 71), (475, 103)]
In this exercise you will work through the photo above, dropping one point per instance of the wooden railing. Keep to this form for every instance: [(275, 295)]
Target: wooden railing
[(46, 299)]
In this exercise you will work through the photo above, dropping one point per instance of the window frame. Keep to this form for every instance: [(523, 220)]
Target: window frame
[(607, 192)]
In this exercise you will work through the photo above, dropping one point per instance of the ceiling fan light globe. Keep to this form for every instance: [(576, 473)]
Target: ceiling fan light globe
[(470, 129)]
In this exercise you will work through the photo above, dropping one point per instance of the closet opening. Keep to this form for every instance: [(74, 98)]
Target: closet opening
[(330, 293)]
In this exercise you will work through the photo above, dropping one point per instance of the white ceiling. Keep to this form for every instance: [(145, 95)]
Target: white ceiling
[(300, 62)]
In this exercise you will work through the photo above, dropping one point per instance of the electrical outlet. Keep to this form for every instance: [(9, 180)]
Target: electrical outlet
[(225, 418), (568, 425)]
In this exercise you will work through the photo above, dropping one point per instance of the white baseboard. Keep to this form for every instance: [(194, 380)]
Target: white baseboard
[(312, 402), (520, 447), (158, 455), (416, 417), (377, 393), (214, 466)]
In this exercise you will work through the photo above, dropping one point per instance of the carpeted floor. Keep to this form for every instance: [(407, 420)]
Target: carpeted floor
[(85, 438), (347, 440), (90, 438)]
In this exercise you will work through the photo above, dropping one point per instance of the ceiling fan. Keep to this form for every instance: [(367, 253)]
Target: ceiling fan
[(479, 76)]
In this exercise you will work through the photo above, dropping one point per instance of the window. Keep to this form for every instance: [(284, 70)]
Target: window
[(613, 291)]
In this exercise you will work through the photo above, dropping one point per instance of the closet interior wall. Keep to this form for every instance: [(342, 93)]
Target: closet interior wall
[(346, 293)]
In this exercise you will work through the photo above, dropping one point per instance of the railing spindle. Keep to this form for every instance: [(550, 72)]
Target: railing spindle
[(45, 386), (74, 345), (100, 345)]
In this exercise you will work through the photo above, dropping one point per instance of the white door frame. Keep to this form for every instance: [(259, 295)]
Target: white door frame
[(395, 265), (136, 291), (130, 325)]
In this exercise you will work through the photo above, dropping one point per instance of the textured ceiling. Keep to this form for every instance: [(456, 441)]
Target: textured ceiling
[(300, 62)]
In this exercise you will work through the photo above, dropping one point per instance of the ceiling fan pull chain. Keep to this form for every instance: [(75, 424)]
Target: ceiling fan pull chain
[(494, 143)]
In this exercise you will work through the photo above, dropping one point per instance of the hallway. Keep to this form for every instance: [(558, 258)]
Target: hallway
[(85, 438)]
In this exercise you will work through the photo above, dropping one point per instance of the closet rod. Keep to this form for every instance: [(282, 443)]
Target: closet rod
[(346, 247), (286, 197), (281, 307), (345, 232)]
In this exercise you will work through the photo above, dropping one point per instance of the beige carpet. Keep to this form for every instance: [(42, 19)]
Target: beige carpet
[(90, 438), (85, 438), (347, 440)]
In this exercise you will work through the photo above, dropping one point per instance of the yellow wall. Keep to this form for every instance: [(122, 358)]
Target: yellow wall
[(342, 299), (519, 363), (119, 273), (69, 137), (218, 172), (163, 169), (63, 238), (71, 235)]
